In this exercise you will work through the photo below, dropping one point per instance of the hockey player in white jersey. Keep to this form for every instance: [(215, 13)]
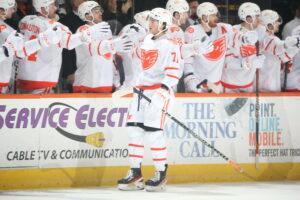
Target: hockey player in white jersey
[(293, 77), (96, 71), (14, 45), (179, 10), (241, 59), (276, 52), (131, 61), (160, 61), (210, 65), (39, 72)]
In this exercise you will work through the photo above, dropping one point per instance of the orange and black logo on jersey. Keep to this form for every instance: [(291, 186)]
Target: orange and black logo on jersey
[(219, 50), (148, 58)]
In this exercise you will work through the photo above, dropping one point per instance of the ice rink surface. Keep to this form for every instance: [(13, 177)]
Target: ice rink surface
[(288, 190)]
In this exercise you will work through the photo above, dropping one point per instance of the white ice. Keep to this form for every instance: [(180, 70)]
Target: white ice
[(287, 190)]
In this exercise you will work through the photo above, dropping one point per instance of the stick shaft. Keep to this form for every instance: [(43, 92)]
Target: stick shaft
[(192, 132), (257, 111)]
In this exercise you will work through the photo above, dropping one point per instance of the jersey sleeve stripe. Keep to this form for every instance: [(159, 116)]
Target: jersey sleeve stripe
[(90, 49), (158, 149), (136, 145), (268, 45), (98, 48), (287, 56), (171, 76), (171, 68), (68, 40)]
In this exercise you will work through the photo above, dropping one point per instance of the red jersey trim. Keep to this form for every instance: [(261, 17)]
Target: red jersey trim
[(149, 87), (33, 85), (229, 86), (4, 84), (90, 89)]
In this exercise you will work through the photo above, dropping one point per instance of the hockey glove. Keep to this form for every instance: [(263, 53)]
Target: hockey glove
[(97, 31), (203, 46), (122, 44), (249, 38), (136, 33), (257, 61), (292, 41), (50, 36), (13, 43)]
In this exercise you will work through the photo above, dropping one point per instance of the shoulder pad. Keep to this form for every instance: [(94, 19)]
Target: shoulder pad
[(2, 27), (83, 28), (174, 29), (51, 21), (190, 29)]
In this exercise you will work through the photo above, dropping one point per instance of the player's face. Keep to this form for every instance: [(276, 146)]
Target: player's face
[(52, 10), (254, 21), (9, 12), (213, 20), (153, 26), (97, 13), (276, 27), (184, 17)]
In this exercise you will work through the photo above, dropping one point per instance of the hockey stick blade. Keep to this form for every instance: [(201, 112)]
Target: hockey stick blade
[(121, 93), (238, 168)]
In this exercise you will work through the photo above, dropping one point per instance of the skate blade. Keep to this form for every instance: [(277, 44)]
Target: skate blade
[(131, 186), (161, 187)]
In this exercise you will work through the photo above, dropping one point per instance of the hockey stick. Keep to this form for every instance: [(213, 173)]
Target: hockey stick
[(121, 93), (233, 164), (16, 64), (286, 71), (257, 112)]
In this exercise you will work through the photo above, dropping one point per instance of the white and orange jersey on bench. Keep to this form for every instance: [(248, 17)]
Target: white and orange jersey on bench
[(41, 69), (6, 64), (235, 75), (95, 70), (209, 66), (293, 78)]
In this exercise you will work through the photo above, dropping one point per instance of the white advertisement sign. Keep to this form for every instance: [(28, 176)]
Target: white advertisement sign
[(87, 132)]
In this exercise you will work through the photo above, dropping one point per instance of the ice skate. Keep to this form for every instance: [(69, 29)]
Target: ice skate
[(133, 180), (158, 182)]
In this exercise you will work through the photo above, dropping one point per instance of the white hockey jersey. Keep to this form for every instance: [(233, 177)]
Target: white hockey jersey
[(160, 62), (131, 61), (175, 32), (6, 64), (209, 66), (270, 73), (41, 69), (235, 75), (293, 78), (95, 71)]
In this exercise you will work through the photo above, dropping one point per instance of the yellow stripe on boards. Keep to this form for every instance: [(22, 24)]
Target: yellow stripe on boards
[(108, 176)]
